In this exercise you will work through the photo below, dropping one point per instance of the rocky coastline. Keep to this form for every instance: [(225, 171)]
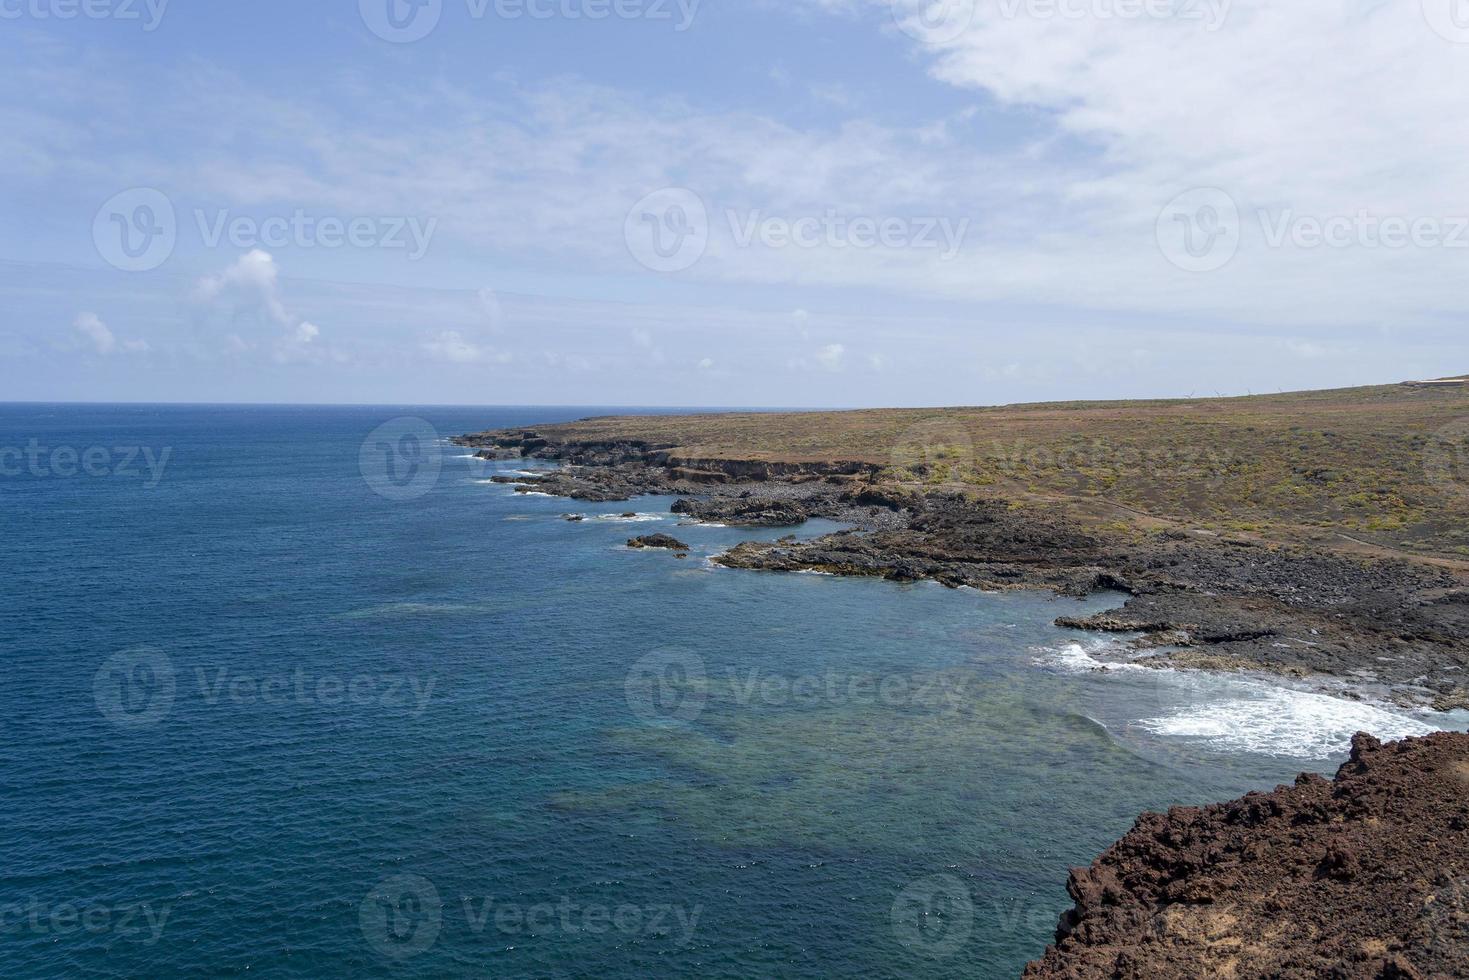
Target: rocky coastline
[(1368, 625), (1366, 876)]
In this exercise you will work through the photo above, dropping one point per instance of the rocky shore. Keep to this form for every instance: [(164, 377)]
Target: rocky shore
[(1371, 626), (1363, 877), (664, 542)]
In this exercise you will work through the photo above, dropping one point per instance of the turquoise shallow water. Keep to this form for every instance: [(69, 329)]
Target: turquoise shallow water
[(288, 708)]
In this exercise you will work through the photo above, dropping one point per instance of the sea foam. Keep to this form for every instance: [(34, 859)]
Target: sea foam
[(1235, 713), (1285, 722)]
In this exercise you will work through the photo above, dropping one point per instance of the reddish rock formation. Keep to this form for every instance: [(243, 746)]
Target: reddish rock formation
[(1363, 877)]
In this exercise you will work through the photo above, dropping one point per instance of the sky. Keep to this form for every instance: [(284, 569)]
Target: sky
[(764, 203)]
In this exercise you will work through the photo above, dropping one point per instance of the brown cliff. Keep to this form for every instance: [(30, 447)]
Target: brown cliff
[(1366, 876)]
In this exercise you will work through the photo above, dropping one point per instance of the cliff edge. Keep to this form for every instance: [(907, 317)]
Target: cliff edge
[(1366, 876)]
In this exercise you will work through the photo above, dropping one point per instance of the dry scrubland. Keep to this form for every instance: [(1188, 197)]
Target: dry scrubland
[(1387, 465)]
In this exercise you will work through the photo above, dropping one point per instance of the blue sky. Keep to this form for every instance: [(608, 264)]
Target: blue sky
[(805, 203)]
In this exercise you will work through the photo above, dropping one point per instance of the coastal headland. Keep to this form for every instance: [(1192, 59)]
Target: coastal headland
[(1322, 535)]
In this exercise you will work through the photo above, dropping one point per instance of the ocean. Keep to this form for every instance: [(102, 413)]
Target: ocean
[(300, 692)]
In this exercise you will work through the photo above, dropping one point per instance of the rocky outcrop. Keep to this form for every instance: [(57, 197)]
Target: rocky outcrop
[(658, 541), (746, 510), (1364, 877), (592, 484)]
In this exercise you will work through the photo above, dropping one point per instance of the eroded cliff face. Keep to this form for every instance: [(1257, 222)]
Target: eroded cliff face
[(1366, 876)]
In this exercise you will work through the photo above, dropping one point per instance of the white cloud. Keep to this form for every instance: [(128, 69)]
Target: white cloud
[(97, 333), (300, 345), (451, 345), (831, 356), (1318, 107), (248, 293), (249, 286), (100, 336)]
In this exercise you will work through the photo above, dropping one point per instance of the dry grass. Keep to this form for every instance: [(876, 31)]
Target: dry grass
[(1388, 465)]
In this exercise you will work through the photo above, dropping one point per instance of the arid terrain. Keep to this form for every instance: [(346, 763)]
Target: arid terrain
[(1385, 465), (1319, 535)]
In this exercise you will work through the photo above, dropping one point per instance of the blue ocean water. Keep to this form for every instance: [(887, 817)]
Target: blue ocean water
[(297, 692)]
